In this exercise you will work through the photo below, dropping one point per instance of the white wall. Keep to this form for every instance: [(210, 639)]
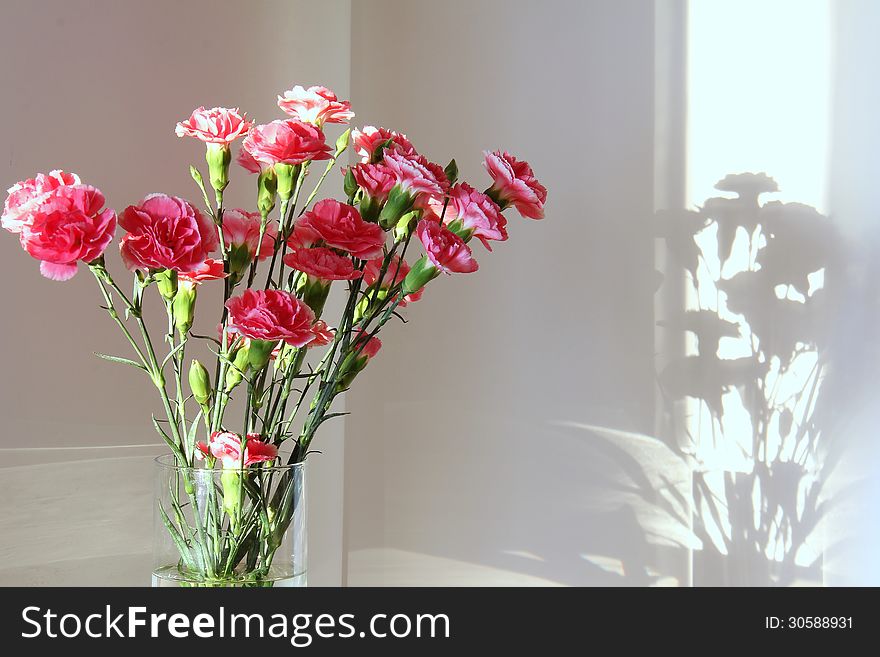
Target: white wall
[(96, 87), (853, 528), (470, 455)]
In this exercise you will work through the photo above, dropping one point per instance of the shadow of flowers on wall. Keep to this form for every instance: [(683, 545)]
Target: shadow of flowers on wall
[(742, 399)]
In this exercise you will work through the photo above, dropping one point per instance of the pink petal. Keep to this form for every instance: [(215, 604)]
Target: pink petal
[(58, 272)]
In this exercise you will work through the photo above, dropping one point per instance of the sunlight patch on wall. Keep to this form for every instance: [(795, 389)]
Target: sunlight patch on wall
[(759, 75), (758, 101)]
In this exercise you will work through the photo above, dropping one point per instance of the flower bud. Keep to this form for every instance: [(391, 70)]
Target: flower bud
[(199, 383), (267, 185), (218, 157), (354, 363), (166, 281), (342, 142), (421, 274), (236, 371), (183, 308)]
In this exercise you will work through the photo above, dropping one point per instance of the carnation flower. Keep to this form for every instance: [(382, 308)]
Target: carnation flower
[(226, 446), (414, 175), (210, 270), (445, 250), (248, 162), (283, 141), (470, 213), (242, 229), (514, 183), (166, 232), (368, 346), (322, 263), (367, 141), (394, 275), (271, 315), (214, 126), (69, 224), (323, 334), (376, 180), (25, 196), (340, 226), (316, 105)]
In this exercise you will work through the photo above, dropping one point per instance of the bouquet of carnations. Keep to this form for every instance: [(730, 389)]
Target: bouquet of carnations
[(228, 496)]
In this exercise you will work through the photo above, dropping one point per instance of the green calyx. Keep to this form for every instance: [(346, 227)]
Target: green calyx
[(422, 273), (259, 353), (398, 204), (239, 261), (406, 225), (459, 229), (166, 281), (218, 157), (286, 175), (314, 293), (183, 308), (267, 186)]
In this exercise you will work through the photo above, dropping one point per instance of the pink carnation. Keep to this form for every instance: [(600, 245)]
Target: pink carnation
[(339, 226), (242, 228), (446, 250), (475, 213), (209, 270), (248, 163), (214, 126), (68, 225), (514, 183), (226, 446), (368, 347), (288, 141), (368, 140), (413, 174), (25, 196), (323, 334), (376, 180), (166, 232), (396, 272), (323, 263), (316, 105), (271, 315)]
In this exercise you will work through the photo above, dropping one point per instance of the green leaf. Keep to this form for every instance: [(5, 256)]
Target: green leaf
[(197, 176), (118, 359), (182, 547), (350, 186), (451, 171), (167, 439), (173, 352)]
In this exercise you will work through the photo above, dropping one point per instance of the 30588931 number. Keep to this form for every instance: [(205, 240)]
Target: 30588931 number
[(808, 622)]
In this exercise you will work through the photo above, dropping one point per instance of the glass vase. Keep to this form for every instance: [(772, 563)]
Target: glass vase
[(224, 527)]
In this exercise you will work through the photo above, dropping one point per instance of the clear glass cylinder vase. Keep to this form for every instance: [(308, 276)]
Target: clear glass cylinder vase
[(223, 527)]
